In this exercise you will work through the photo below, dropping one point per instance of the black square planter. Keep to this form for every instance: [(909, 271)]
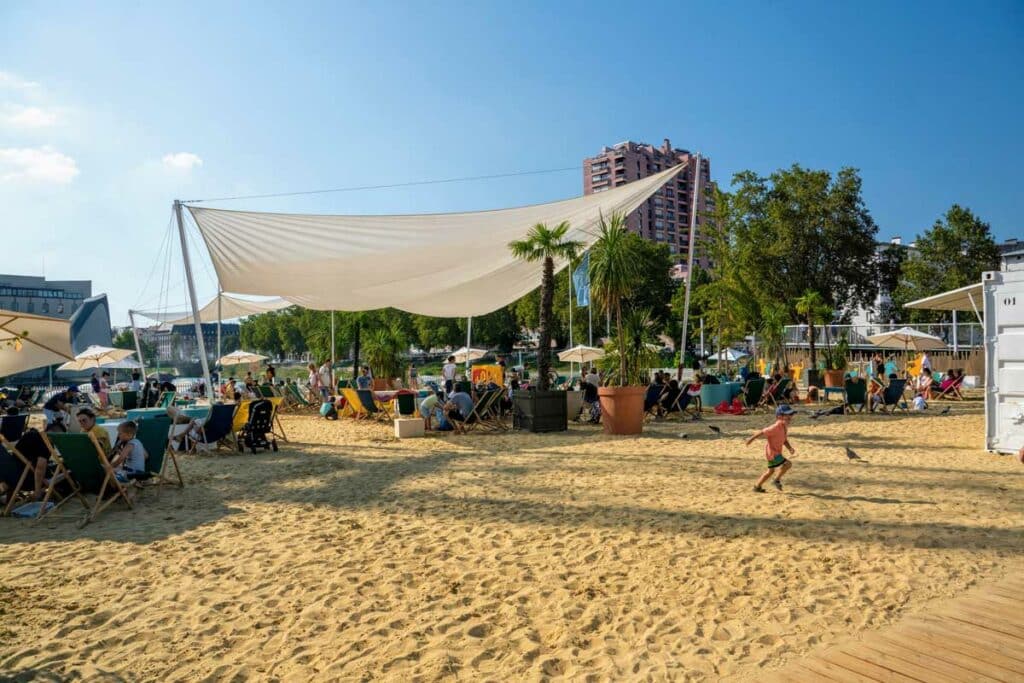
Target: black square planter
[(540, 411)]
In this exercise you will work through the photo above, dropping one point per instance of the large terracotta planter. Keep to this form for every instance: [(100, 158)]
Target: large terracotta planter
[(833, 378), (622, 409)]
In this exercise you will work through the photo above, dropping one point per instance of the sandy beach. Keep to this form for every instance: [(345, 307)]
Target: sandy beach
[(350, 555)]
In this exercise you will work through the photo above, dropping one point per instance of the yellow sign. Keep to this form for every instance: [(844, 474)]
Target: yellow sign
[(488, 373)]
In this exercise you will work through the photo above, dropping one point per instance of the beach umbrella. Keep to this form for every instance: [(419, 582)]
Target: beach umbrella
[(463, 355), (907, 338), (728, 354), (96, 357), (580, 354), (125, 364), (32, 341), (240, 358)]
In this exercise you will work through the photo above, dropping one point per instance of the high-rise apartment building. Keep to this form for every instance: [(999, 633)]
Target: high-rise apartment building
[(665, 217)]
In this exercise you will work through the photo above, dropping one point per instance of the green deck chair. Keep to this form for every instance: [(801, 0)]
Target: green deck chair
[(87, 464), (856, 394), (153, 435), (166, 400), (753, 392)]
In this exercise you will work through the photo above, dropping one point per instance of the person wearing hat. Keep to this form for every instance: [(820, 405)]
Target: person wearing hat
[(57, 406), (776, 437)]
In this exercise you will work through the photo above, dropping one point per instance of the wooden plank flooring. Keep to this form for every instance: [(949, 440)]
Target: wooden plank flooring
[(977, 637)]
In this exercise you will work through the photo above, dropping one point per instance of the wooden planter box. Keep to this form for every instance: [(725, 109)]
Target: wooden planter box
[(540, 411)]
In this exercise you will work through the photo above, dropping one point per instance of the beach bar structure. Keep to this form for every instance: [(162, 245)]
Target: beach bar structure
[(998, 303)]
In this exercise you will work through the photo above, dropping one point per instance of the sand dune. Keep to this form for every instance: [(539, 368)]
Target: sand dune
[(352, 556)]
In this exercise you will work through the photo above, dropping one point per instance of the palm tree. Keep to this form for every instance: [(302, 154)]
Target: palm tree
[(811, 305), (547, 244), (614, 271)]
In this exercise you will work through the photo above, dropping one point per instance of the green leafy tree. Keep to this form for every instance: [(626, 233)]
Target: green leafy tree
[(953, 253), (434, 333), (383, 347), (811, 306), (638, 354), (614, 270), (545, 244), (126, 340)]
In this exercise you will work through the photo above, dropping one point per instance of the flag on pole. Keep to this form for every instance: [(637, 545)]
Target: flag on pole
[(581, 281)]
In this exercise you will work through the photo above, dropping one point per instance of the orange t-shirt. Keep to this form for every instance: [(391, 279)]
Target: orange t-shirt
[(775, 437)]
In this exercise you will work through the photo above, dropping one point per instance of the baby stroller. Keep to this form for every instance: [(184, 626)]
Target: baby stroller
[(253, 434)]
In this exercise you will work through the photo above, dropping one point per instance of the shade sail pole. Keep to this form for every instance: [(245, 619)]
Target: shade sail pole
[(469, 340), (200, 342), (220, 291), (138, 346), (689, 267), (570, 270), (332, 349), (955, 345)]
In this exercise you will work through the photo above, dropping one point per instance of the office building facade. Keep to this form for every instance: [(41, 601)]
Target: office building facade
[(53, 298)]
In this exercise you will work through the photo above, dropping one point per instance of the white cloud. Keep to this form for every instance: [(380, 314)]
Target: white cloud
[(28, 117), (37, 164), (183, 161), (9, 80)]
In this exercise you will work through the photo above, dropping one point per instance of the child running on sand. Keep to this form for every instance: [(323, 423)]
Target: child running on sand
[(776, 436)]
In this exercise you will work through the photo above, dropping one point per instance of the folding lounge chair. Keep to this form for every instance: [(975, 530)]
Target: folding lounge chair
[(951, 392), (85, 462), (474, 419), (775, 392), (652, 400), (266, 391), (353, 405), (166, 400), (16, 472), (855, 394), (484, 414), (370, 406), (13, 426), (153, 433), (753, 392), (405, 404), (217, 427), (892, 396)]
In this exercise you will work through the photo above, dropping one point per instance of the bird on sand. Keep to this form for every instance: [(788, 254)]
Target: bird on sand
[(715, 429), (851, 454), (945, 411), (684, 435)]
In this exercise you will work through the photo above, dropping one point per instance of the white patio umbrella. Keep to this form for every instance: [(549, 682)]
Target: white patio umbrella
[(473, 354), (125, 364), (240, 358), (580, 354), (96, 357), (32, 341), (907, 338), (729, 355)]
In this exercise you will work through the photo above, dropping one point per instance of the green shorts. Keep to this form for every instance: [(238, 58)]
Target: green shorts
[(776, 461)]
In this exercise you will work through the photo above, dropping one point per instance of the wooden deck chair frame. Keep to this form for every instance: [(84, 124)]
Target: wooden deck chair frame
[(492, 418), (885, 406), (227, 441), (371, 406), (952, 392), (751, 398), (652, 412), (60, 475), (864, 397), (354, 405), (109, 484), (774, 393), (275, 418), (27, 470), (478, 417), (159, 476)]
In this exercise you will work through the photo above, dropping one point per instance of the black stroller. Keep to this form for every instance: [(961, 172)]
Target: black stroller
[(259, 424)]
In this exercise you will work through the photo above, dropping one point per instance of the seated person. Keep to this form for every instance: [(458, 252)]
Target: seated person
[(459, 406), (56, 408), (183, 428), (329, 409), (428, 410), (128, 457), (32, 446), (708, 378), (668, 399), (924, 384), (791, 395), (87, 421), (949, 380), (653, 396)]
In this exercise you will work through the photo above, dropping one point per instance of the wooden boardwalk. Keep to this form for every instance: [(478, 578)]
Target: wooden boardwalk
[(977, 637)]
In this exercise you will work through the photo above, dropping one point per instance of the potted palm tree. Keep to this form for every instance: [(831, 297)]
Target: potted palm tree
[(541, 409), (810, 305), (614, 271)]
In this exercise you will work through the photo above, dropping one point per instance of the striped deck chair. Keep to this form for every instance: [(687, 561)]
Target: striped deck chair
[(85, 462)]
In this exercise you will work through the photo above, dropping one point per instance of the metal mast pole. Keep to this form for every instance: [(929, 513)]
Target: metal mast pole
[(333, 389), (200, 342), (138, 346), (689, 265), (219, 292), (571, 271), (469, 338)]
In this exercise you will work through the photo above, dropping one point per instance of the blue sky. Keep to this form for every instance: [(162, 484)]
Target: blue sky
[(108, 111)]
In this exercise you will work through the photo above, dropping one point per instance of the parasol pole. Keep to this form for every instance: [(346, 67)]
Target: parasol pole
[(332, 350), (219, 292), (200, 342), (570, 317)]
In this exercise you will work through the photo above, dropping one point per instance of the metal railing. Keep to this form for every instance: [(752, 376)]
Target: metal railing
[(959, 336)]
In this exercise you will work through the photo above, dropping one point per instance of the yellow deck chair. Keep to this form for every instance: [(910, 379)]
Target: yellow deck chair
[(353, 406)]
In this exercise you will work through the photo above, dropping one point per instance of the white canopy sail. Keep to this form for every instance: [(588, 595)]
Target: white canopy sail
[(230, 308), (450, 265)]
